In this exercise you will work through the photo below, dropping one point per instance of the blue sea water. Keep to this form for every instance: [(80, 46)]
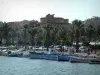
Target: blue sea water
[(25, 66)]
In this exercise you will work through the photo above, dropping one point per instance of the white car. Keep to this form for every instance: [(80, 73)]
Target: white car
[(83, 49)]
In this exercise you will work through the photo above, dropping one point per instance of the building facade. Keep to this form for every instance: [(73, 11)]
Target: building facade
[(51, 19)]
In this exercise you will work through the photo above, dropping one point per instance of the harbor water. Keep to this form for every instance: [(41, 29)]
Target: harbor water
[(25, 66)]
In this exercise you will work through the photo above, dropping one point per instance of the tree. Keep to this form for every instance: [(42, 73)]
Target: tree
[(48, 40), (5, 32), (97, 34), (1, 33), (90, 32), (25, 35), (71, 34), (78, 25), (55, 33), (32, 32), (12, 35)]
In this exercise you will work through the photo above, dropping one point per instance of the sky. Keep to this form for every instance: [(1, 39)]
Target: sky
[(18, 10)]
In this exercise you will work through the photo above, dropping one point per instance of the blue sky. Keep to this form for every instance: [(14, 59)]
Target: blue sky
[(17, 10)]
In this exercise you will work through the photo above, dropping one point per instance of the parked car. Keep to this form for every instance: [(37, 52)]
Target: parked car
[(83, 49), (58, 47)]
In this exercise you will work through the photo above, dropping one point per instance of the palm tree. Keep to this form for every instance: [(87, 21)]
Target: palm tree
[(1, 35), (40, 35), (1, 32), (78, 25), (32, 32), (5, 31), (71, 34), (90, 33), (48, 39), (25, 35), (97, 34), (55, 33), (12, 35)]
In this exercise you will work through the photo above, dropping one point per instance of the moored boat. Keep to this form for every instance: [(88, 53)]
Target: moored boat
[(63, 57), (51, 55), (36, 55), (25, 54), (80, 59), (66, 57), (15, 54), (95, 61), (42, 55)]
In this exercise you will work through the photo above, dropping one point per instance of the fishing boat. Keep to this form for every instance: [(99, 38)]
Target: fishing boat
[(25, 54), (63, 57), (15, 54), (50, 55), (80, 59), (43, 55), (66, 57), (95, 61)]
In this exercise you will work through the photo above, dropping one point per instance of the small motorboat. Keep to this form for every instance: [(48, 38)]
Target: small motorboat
[(63, 57), (25, 54), (66, 57), (42, 55), (80, 59), (95, 61), (15, 54)]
